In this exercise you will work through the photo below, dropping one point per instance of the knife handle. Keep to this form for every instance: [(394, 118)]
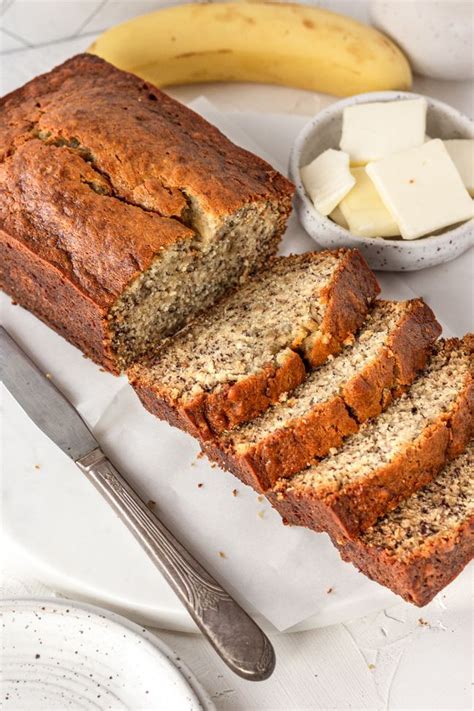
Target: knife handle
[(234, 635)]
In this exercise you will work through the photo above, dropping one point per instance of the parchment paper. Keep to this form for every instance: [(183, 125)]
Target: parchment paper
[(285, 574)]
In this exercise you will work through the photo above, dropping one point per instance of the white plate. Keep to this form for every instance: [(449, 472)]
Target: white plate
[(62, 654)]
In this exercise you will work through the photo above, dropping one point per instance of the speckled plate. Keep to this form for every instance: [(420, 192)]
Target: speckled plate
[(58, 654)]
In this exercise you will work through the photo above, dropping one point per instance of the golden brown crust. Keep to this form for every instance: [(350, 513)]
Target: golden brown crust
[(35, 284), (239, 402), (354, 508), (283, 453), (49, 202), (94, 201), (347, 299), (232, 403), (288, 450), (419, 577), (169, 152)]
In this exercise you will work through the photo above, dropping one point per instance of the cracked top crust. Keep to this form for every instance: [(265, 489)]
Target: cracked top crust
[(62, 210), (156, 152), (100, 172)]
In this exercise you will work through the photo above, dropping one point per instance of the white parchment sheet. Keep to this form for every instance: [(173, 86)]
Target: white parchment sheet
[(285, 574)]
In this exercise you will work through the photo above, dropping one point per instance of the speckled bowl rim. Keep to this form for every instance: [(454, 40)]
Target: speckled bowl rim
[(370, 97)]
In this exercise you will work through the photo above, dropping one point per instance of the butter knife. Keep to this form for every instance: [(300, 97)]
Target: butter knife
[(238, 640)]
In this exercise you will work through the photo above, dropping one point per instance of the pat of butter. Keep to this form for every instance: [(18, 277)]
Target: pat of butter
[(337, 216), (327, 179), (373, 131), (461, 151), (422, 189), (365, 212)]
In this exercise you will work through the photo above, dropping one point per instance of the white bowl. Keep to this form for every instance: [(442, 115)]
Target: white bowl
[(387, 254)]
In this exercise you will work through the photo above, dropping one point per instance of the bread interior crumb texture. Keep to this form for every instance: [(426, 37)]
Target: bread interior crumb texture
[(436, 511), (379, 441), (188, 278), (253, 327), (325, 382)]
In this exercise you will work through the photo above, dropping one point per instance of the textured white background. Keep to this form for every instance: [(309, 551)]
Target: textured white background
[(395, 659)]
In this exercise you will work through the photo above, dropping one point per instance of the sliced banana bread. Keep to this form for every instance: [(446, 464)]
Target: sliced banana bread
[(122, 212), (232, 362), (390, 457), (423, 544), (359, 383)]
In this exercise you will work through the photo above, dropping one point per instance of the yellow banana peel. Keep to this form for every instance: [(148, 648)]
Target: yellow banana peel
[(292, 45)]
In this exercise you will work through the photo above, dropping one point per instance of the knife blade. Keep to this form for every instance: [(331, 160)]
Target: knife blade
[(42, 401), (235, 636)]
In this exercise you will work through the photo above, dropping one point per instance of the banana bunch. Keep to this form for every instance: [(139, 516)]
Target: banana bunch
[(292, 45)]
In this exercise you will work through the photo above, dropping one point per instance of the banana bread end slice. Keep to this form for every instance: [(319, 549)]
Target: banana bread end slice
[(421, 546)]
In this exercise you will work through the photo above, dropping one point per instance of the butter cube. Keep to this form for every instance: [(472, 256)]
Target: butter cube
[(461, 151), (327, 179), (422, 189), (373, 131), (337, 216), (365, 212)]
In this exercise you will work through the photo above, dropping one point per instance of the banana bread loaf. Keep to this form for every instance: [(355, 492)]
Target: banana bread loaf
[(232, 362), (390, 457), (393, 344), (418, 548), (123, 213)]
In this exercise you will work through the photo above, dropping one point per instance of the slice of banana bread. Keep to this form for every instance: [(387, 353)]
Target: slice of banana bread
[(418, 548), (390, 457), (391, 347), (122, 212), (232, 362)]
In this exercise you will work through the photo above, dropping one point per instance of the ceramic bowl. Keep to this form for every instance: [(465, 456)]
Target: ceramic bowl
[(386, 254)]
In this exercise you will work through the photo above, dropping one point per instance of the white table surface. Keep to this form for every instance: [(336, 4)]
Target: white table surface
[(421, 660)]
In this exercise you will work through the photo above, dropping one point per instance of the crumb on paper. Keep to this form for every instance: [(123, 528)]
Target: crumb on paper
[(102, 370), (261, 514), (200, 485), (234, 492), (213, 465), (151, 504), (200, 454), (329, 591), (222, 554), (260, 498), (193, 464), (371, 666), (37, 466), (423, 623), (48, 375)]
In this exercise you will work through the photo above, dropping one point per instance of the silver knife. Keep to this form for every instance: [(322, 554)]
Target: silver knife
[(234, 635)]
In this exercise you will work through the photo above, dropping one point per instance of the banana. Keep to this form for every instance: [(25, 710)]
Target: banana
[(293, 45)]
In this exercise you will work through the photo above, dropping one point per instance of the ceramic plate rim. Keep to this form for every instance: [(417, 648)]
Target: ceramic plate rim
[(175, 663)]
